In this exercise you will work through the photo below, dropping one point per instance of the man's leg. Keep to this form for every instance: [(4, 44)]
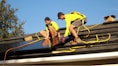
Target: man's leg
[(45, 41), (72, 27), (72, 30), (52, 31), (43, 33), (74, 33), (54, 36)]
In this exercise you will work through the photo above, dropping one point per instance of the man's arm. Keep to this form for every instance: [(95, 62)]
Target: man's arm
[(67, 28)]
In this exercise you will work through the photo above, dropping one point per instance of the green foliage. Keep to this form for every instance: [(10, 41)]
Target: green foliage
[(9, 24)]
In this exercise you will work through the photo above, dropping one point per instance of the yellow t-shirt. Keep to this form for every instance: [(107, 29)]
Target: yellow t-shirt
[(69, 18), (54, 25)]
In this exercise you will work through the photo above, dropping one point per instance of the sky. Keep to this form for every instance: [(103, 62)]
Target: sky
[(33, 12)]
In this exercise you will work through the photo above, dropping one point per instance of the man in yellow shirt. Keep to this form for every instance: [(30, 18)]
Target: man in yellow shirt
[(73, 20), (52, 29)]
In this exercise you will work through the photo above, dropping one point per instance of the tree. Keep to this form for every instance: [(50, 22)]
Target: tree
[(9, 23)]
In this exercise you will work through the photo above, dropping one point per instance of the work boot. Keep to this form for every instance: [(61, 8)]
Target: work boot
[(78, 40), (73, 42)]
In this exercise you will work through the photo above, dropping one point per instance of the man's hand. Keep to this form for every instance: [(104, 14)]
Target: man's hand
[(63, 39)]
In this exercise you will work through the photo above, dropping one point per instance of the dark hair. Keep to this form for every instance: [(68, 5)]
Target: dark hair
[(106, 17), (47, 18), (59, 14), (111, 16)]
